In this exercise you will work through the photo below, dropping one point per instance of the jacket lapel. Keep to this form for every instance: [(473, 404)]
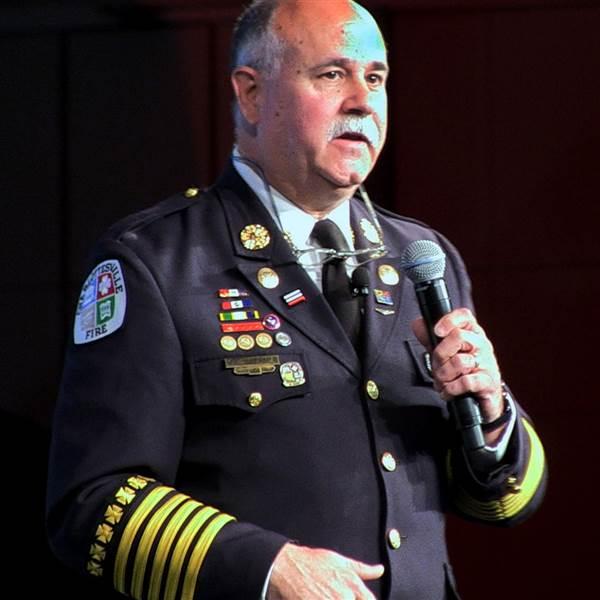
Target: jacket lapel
[(313, 316)]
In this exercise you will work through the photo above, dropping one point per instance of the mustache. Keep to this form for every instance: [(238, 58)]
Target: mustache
[(356, 126)]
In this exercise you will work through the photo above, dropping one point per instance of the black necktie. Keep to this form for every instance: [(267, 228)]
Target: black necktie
[(336, 285)]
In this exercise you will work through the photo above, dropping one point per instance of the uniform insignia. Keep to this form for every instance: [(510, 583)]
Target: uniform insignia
[(255, 237), (384, 311), (292, 374), (239, 315), (369, 231), (283, 339), (191, 192), (245, 342), (253, 365), (102, 303), (267, 278), (235, 304), (294, 297), (388, 274), (229, 343), (264, 340), (242, 326), (383, 297), (271, 322), (232, 293)]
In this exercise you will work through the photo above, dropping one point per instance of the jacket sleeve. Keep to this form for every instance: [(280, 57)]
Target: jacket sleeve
[(513, 488), (113, 509)]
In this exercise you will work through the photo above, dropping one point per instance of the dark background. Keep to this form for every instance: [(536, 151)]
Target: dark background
[(107, 107)]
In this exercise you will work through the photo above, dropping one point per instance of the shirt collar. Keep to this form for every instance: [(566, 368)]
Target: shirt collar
[(289, 217)]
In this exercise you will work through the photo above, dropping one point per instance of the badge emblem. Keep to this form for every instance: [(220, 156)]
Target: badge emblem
[(268, 278), (271, 322), (383, 297), (264, 340), (388, 274), (386, 312), (369, 231), (245, 342), (228, 343), (292, 374), (235, 304), (294, 297), (283, 339), (232, 293), (239, 315), (102, 303), (255, 237)]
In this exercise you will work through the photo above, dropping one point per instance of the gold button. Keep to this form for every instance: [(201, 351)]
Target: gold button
[(191, 192), (372, 390), (388, 462), (255, 399), (394, 539)]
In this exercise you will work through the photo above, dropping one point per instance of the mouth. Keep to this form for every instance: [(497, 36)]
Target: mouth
[(353, 136)]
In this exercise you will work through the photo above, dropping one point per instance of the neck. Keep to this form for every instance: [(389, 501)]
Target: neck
[(317, 199)]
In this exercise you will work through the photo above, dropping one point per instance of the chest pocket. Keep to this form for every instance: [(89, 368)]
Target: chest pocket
[(421, 360), (249, 383)]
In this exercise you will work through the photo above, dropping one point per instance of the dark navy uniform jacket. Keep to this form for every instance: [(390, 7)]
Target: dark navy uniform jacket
[(172, 476)]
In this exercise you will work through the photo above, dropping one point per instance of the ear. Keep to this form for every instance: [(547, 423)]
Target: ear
[(246, 86)]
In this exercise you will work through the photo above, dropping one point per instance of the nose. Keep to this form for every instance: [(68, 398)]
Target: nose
[(360, 98)]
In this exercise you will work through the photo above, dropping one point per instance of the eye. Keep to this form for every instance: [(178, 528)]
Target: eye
[(332, 75), (375, 79)]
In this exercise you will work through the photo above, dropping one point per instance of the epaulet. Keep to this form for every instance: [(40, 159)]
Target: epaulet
[(143, 218)]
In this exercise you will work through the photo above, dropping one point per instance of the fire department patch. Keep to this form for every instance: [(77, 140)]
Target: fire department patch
[(102, 303)]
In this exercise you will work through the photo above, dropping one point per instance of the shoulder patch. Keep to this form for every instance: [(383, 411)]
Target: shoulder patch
[(102, 303)]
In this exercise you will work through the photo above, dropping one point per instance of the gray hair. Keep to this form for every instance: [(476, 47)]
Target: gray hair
[(255, 44)]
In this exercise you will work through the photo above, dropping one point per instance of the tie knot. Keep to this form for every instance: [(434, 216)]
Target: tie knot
[(327, 234)]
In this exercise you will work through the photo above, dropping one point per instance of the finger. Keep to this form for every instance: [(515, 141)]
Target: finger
[(458, 340), (420, 330), (461, 318), (460, 364), (366, 571), (479, 383)]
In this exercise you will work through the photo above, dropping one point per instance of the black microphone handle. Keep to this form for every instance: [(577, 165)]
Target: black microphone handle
[(434, 302)]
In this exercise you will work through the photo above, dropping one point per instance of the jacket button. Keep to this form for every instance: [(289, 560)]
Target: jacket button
[(388, 462), (394, 540), (372, 390), (191, 192), (255, 399)]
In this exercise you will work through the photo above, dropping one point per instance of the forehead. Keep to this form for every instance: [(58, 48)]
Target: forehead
[(331, 30)]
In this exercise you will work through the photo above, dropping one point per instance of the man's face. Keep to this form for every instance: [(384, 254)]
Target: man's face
[(323, 113)]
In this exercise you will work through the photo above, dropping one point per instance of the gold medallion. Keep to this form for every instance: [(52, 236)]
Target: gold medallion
[(245, 342), (369, 231), (255, 237), (228, 343), (388, 274), (267, 278), (264, 340)]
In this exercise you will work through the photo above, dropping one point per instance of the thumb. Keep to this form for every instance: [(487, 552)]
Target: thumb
[(366, 571)]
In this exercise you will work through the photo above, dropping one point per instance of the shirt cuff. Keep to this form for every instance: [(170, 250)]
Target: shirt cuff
[(263, 595)]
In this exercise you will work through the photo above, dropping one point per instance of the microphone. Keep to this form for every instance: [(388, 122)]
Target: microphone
[(360, 281), (424, 263)]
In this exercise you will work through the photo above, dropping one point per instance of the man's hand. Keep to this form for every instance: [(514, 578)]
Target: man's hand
[(464, 362), (301, 573)]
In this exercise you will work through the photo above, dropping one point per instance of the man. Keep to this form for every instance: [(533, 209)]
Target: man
[(225, 430)]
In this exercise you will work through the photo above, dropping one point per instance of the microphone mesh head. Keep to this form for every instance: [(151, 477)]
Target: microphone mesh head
[(423, 260)]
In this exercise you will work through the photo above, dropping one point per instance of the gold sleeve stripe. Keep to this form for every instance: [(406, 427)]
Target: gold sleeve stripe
[(147, 539), (136, 521), (515, 501), (199, 554), (181, 549), (164, 546)]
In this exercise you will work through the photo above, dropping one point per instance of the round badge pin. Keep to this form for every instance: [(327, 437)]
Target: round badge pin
[(245, 342), (255, 237), (388, 274), (283, 339), (268, 278), (271, 322), (264, 340), (229, 343)]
